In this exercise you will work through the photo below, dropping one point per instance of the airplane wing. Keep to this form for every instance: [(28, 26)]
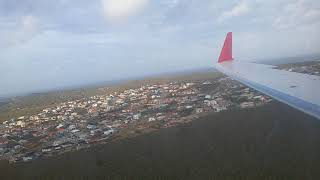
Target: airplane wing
[(298, 90)]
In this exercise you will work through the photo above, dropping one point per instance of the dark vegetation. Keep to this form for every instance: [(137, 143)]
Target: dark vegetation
[(269, 142)]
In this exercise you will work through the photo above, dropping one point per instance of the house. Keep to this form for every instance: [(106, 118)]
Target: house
[(34, 118), (71, 127), (219, 109), (247, 105), (93, 132), (59, 126), (21, 123), (75, 131), (28, 158), (137, 116), (151, 119), (108, 132), (90, 126), (21, 118), (46, 149), (199, 110)]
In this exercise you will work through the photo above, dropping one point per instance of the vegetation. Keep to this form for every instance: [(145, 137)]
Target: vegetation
[(269, 142)]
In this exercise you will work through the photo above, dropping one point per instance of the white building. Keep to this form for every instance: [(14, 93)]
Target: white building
[(151, 119), (21, 123), (137, 116), (247, 105), (75, 131), (199, 110), (109, 132)]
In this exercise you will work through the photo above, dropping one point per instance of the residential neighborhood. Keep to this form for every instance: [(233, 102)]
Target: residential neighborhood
[(85, 122)]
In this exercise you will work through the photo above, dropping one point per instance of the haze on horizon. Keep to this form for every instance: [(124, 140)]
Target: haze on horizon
[(51, 44)]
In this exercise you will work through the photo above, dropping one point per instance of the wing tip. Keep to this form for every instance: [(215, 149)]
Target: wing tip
[(226, 52)]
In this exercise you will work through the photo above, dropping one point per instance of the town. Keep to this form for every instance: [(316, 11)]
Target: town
[(82, 123), (311, 68)]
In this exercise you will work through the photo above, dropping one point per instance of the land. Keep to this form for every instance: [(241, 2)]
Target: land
[(31, 104), (310, 67), (82, 123), (269, 142), (141, 122)]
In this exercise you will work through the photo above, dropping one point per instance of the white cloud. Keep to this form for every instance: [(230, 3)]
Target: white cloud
[(28, 29), (29, 23), (300, 12), (25, 29), (121, 10), (171, 3), (240, 9)]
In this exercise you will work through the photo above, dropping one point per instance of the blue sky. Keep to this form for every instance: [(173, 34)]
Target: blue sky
[(53, 44)]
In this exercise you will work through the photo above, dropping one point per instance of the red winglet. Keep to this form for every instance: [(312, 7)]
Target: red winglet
[(226, 52)]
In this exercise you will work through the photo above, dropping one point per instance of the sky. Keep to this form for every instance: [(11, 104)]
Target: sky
[(47, 44)]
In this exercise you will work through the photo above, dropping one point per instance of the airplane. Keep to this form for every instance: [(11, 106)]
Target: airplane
[(298, 90)]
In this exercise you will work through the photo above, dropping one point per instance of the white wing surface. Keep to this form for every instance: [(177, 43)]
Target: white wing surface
[(300, 91)]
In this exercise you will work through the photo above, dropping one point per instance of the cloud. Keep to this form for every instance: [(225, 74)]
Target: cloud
[(25, 29), (171, 3), (240, 9), (29, 26), (29, 23), (121, 10), (301, 12)]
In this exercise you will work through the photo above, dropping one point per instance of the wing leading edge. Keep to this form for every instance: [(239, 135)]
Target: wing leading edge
[(300, 91)]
